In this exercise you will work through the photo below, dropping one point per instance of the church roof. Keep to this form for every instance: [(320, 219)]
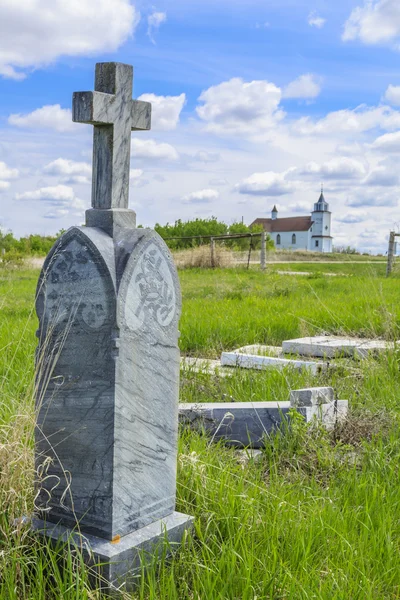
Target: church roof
[(284, 224), (321, 198)]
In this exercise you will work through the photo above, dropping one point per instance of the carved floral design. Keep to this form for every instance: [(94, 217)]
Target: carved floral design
[(156, 295)]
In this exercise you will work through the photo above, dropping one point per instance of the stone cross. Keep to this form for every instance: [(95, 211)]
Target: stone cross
[(114, 114), (108, 304)]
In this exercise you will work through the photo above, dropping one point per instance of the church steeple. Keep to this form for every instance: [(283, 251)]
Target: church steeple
[(274, 213), (321, 205)]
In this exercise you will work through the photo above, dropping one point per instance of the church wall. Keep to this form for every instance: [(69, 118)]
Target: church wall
[(302, 240)]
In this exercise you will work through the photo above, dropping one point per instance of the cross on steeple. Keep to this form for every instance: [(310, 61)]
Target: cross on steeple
[(114, 114)]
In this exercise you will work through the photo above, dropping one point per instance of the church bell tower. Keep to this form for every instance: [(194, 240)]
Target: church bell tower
[(321, 239)]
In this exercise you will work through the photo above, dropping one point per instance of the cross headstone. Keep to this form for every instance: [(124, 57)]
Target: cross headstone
[(108, 304), (114, 114)]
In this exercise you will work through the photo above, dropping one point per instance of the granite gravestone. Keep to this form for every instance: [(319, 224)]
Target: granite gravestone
[(108, 304)]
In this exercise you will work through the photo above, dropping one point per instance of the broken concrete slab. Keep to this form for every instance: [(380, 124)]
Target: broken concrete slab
[(311, 396), (335, 346), (254, 361), (247, 424), (261, 350), (204, 365)]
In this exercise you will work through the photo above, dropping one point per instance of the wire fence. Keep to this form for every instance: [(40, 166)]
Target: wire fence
[(218, 251)]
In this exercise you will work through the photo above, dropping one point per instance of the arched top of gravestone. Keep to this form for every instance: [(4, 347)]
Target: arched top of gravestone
[(77, 283), (149, 297)]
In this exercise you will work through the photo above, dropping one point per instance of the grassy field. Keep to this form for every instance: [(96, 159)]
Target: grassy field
[(317, 517)]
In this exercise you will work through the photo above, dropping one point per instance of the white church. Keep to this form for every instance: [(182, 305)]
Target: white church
[(301, 233)]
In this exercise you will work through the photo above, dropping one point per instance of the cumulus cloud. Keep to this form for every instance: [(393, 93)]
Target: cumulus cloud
[(218, 181), (336, 168), (206, 157), (305, 86), (392, 95), (135, 173), (364, 199), (69, 29), (60, 198), (265, 184), (4, 185), (149, 149), (352, 217), (362, 118), (239, 107), (389, 142), (201, 196), (153, 23), (376, 22), (165, 110), (70, 171), (6, 173), (51, 116), (315, 21), (382, 176)]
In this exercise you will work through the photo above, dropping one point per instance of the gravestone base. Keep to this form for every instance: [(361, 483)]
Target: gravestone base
[(117, 565)]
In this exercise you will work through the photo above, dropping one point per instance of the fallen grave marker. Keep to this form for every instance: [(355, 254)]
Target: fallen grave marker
[(246, 424)]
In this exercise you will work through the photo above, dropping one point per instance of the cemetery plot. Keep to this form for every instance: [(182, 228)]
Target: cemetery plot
[(309, 497)]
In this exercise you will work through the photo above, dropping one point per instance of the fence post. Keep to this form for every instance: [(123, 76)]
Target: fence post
[(212, 246), (263, 250), (390, 254)]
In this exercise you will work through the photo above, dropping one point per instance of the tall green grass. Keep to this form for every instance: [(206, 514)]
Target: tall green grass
[(318, 516)]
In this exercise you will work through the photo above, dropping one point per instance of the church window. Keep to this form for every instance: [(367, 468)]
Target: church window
[(316, 243), (278, 239), (326, 227), (294, 238)]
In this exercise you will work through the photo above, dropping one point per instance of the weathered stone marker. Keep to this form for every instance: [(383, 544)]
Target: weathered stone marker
[(108, 304)]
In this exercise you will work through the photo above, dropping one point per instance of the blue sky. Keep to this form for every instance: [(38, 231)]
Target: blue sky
[(254, 103)]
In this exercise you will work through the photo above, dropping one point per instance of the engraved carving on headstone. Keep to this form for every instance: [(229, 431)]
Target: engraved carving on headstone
[(152, 295)]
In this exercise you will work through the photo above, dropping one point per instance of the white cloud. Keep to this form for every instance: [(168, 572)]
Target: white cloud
[(389, 142), (315, 21), (51, 116), (376, 22), (154, 21), (305, 86), (265, 184), (165, 110), (206, 157), (363, 199), (382, 176), (362, 118), (264, 25), (70, 171), (236, 106), (336, 168), (201, 196), (352, 217), (61, 198), (7, 172), (218, 181), (392, 95), (34, 33), (135, 173), (151, 149)]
